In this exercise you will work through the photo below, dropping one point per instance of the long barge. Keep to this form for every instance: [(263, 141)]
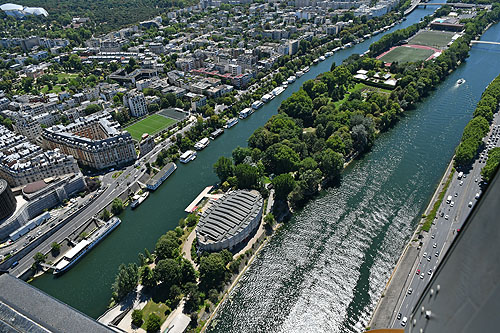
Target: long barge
[(82, 248)]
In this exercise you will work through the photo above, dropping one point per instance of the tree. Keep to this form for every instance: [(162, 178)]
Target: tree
[(117, 206), (92, 108), (239, 154), (223, 168), (168, 272), (153, 107), (167, 246), (247, 176), (125, 281), (280, 159), (193, 298), (299, 105), (137, 318), (331, 163), (153, 323), (74, 62), (309, 181), (147, 277), (39, 258), (105, 215), (212, 271), (489, 169), (283, 185), (55, 248), (188, 273), (269, 219)]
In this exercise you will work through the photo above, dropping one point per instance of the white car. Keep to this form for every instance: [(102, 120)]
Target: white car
[(461, 182), (470, 204), (446, 217), (410, 291), (452, 204), (477, 195)]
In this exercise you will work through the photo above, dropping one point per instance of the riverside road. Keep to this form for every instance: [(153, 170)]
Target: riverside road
[(464, 192)]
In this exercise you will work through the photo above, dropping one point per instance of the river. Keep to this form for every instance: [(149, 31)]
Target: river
[(326, 269), (373, 212)]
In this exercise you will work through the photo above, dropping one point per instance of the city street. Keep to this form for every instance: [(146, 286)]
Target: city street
[(464, 192)]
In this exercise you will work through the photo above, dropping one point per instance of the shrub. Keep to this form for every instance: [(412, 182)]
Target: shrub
[(137, 318)]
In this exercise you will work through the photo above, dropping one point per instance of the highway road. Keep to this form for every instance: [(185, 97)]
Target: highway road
[(450, 218)]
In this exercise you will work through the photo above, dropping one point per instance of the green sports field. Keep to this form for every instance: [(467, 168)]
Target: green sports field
[(406, 54), (152, 125), (438, 39)]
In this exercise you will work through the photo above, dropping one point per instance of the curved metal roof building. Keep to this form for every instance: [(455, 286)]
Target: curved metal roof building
[(229, 220)]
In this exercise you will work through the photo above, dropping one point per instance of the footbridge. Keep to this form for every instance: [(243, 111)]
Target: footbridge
[(484, 42)]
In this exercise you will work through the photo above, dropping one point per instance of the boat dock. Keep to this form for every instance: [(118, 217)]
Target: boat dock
[(196, 201)]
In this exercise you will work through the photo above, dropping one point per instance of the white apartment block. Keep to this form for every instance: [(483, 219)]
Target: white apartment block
[(136, 102)]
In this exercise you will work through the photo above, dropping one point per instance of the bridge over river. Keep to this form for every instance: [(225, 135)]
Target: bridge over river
[(417, 3)]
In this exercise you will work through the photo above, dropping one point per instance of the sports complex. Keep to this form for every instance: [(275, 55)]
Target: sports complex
[(425, 45), (155, 123)]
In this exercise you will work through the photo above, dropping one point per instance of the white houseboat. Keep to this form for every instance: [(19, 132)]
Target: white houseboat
[(231, 122), (200, 145), (83, 247), (188, 156), (245, 113)]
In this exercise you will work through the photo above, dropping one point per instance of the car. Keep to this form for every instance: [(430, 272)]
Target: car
[(52, 224), (418, 271), (477, 195), (403, 322), (461, 182), (421, 275), (442, 214), (434, 245), (433, 236), (430, 271), (456, 194), (429, 258), (399, 315), (437, 254), (470, 204), (452, 204), (410, 291), (425, 254), (446, 217), (475, 180), (14, 264)]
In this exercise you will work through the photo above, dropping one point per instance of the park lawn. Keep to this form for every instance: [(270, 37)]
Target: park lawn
[(67, 76), (56, 89), (151, 125), (357, 86), (437, 39), (160, 309), (360, 87), (404, 54)]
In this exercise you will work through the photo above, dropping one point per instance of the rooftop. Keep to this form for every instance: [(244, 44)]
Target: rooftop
[(229, 215), (24, 308)]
